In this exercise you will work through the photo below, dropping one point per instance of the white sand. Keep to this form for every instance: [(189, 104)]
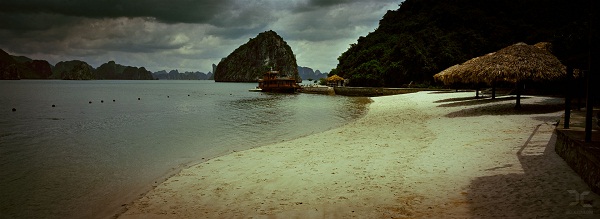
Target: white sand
[(418, 155)]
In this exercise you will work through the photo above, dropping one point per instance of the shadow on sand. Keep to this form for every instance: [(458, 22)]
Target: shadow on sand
[(509, 109), (479, 101), (455, 99), (537, 192)]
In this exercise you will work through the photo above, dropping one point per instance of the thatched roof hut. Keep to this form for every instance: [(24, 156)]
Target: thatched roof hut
[(460, 73), (334, 78), (517, 63), (514, 63)]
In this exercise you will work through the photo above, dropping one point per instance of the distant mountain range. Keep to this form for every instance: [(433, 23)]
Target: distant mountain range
[(21, 67), (176, 75), (304, 72), (308, 73)]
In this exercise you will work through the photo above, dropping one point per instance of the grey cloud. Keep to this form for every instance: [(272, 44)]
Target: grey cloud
[(311, 5), (323, 24), (180, 33), (24, 22), (173, 11)]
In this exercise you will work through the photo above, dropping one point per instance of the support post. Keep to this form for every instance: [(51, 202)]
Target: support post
[(568, 97), (519, 85), (493, 90), (590, 100), (589, 108)]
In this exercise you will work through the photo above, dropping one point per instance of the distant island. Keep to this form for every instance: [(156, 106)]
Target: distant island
[(248, 62), (307, 73), (176, 75), (21, 67)]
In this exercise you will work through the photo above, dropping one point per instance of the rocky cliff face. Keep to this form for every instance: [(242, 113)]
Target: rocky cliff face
[(248, 62), (308, 73), (21, 67), (114, 71), (176, 75), (73, 70)]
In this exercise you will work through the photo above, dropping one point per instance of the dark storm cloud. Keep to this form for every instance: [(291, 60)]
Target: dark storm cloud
[(172, 11), (184, 34), (23, 22), (235, 18), (311, 5)]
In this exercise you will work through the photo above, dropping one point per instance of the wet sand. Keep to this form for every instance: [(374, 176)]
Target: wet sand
[(420, 155)]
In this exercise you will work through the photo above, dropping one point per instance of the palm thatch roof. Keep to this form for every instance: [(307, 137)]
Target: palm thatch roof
[(459, 73), (335, 78), (544, 46), (512, 64), (448, 75), (520, 62)]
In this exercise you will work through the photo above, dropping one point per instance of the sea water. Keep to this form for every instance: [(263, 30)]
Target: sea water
[(83, 149)]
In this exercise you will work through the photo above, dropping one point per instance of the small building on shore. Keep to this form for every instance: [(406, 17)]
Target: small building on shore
[(335, 81)]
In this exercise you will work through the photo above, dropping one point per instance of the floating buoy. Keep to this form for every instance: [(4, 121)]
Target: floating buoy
[(138, 98), (113, 100), (13, 109), (188, 95), (101, 101), (53, 105), (167, 96), (90, 101)]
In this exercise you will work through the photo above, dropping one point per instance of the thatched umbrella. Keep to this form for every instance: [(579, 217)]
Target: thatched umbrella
[(514, 64), (448, 76), (460, 73), (517, 63), (335, 78), (520, 62)]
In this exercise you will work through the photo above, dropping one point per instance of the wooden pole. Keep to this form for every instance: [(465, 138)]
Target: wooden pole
[(518, 105), (589, 108), (590, 100), (493, 90), (568, 97)]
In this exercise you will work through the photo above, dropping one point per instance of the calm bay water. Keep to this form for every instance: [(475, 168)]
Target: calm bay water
[(85, 160)]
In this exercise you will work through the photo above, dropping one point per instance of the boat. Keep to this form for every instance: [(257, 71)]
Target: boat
[(272, 81), (256, 89)]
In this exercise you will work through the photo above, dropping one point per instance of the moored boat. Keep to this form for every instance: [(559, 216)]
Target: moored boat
[(274, 82)]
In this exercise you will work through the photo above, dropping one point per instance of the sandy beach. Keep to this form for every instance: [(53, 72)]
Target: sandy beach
[(419, 155)]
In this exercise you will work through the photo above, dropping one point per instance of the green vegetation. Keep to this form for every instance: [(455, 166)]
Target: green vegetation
[(21, 67), (73, 70), (112, 70), (249, 61), (423, 37)]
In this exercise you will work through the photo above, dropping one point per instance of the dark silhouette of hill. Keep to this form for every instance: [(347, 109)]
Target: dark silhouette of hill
[(21, 67), (423, 37), (248, 62)]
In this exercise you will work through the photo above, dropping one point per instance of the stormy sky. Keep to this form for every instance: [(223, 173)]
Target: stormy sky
[(189, 35)]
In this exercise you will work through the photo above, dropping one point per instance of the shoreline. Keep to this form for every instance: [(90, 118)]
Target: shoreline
[(423, 154), (142, 191)]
